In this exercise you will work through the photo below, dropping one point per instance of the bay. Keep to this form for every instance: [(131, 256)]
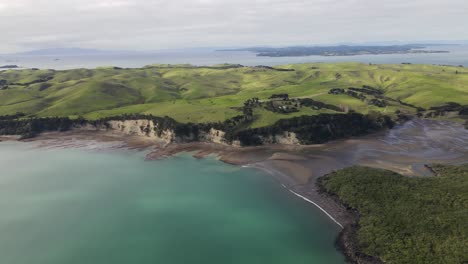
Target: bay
[(72, 206)]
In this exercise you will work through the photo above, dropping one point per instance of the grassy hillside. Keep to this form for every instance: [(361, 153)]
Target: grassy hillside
[(199, 94), (407, 220)]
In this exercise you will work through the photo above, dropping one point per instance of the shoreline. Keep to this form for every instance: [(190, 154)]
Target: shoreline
[(280, 177), (282, 162), (405, 150), (330, 207), (323, 210)]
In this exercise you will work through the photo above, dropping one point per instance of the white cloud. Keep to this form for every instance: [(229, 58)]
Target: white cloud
[(6, 6), (108, 4), (153, 24)]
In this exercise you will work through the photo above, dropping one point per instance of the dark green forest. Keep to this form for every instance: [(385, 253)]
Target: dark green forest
[(403, 219)]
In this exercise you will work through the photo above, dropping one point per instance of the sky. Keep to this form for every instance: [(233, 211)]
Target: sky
[(156, 24)]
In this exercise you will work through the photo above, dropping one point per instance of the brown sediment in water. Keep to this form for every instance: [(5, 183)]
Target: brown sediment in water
[(9, 138), (405, 149)]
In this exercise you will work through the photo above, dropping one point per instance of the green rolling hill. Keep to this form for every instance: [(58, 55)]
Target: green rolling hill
[(201, 94)]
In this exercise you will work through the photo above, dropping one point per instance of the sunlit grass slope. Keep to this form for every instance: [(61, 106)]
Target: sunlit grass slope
[(201, 94)]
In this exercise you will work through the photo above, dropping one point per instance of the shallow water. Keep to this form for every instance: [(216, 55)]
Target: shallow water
[(405, 149), (416, 143), (81, 206)]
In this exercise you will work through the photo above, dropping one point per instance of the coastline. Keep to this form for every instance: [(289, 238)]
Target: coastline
[(296, 167), (284, 163), (274, 160)]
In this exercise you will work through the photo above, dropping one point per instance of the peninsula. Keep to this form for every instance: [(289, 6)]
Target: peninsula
[(343, 50), (9, 66)]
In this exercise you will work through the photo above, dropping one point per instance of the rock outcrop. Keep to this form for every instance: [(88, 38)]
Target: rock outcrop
[(149, 129), (286, 138), (143, 128), (215, 136)]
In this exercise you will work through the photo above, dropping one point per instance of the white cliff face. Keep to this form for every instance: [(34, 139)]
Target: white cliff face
[(215, 136), (142, 128), (287, 138), (236, 143), (149, 130), (133, 127)]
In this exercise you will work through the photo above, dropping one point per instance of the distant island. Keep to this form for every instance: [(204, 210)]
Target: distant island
[(9, 67), (65, 52), (343, 50)]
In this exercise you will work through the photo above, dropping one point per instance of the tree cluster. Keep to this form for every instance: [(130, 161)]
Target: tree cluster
[(318, 105), (316, 129), (33, 126), (406, 219)]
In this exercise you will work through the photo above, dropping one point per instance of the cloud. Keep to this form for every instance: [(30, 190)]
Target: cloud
[(109, 4), (154, 24)]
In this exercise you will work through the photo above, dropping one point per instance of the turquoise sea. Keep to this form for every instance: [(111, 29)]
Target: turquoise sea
[(67, 206)]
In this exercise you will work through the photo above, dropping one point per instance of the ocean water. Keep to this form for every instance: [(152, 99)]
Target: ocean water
[(458, 56), (67, 206)]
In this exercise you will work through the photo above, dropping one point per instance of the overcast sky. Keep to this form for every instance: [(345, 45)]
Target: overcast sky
[(157, 24)]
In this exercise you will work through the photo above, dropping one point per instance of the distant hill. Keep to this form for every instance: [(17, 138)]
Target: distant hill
[(65, 52), (342, 50), (211, 94), (9, 66)]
